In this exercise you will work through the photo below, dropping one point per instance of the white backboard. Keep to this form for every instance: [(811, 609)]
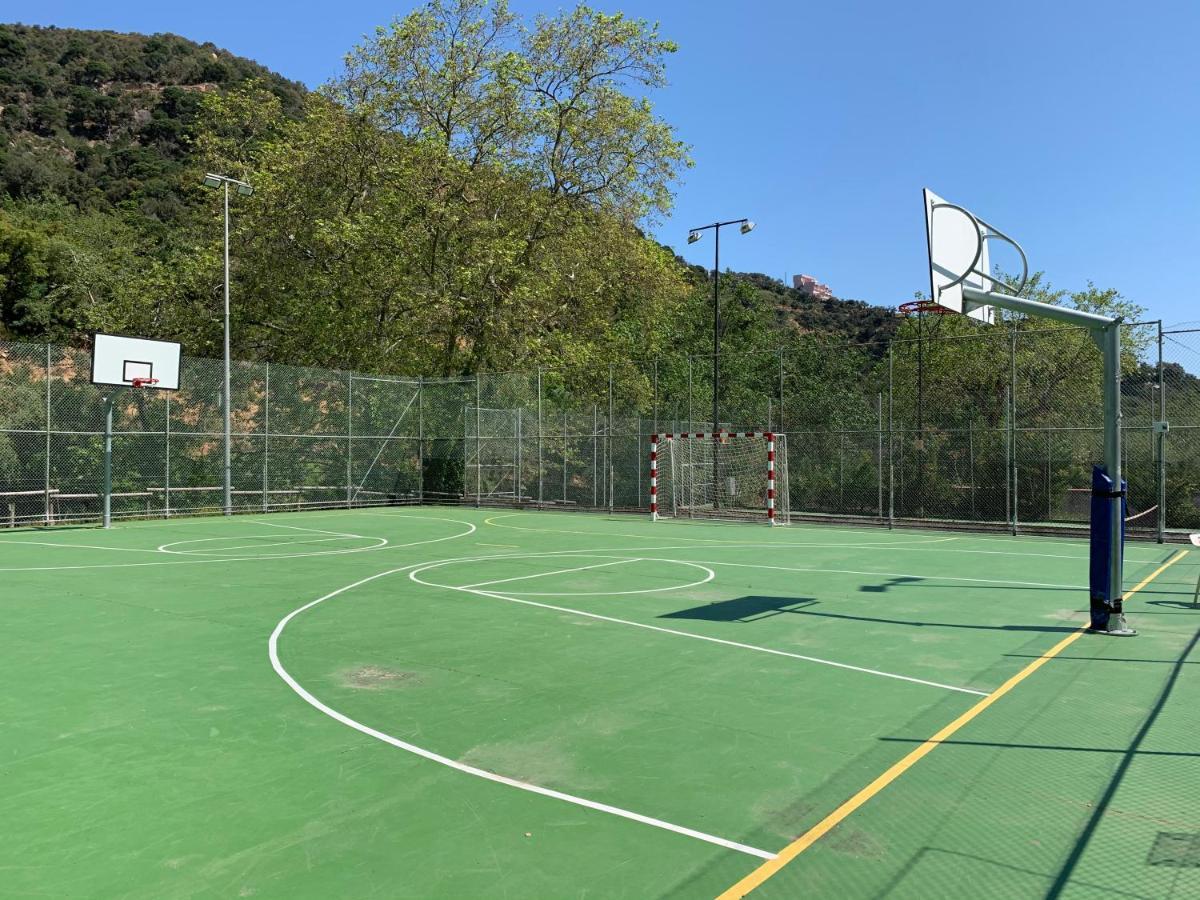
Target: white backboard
[(956, 245), (119, 360)]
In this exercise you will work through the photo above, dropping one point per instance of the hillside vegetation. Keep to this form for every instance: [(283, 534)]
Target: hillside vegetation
[(104, 120), (471, 191)]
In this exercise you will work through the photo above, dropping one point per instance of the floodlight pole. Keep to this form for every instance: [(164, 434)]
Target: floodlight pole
[(227, 467), (693, 235), (1106, 332), (224, 181)]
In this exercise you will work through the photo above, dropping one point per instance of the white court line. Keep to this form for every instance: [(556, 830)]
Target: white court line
[(616, 562), (624, 549), (491, 520), (387, 512), (1073, 587), (730, 545), (416, 571), (311, 530), (762, 565), (306, 541), (273, 653), (81, 546), (386, 545), (906, 539), (738, 644), (709, 575)]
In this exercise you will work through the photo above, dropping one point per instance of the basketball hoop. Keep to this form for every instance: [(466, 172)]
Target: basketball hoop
[(916, 307), (143, 382)]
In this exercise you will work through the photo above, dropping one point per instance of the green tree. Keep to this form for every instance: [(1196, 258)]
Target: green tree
[(63, 272), (465, 197)]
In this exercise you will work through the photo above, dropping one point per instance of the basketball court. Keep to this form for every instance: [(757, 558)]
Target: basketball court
[(456, 702), (451, 701)]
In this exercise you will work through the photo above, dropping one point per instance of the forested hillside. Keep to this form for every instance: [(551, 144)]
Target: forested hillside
[(105, 120), (472, 191)]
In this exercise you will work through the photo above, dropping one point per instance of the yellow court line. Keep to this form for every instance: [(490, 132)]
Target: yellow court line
[(756, 878)]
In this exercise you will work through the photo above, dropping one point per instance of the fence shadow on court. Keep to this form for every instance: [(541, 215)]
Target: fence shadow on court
[(1118, 849)]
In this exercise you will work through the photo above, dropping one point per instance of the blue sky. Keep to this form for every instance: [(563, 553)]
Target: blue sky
[(1071, 125)]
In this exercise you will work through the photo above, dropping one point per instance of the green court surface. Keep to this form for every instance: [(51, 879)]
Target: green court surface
[(450, 702)]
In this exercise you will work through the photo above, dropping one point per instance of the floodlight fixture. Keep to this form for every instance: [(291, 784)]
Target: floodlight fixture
[(215, 181), (694, 235)]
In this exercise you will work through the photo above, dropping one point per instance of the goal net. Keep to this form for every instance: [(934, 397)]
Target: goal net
[(740, 475)]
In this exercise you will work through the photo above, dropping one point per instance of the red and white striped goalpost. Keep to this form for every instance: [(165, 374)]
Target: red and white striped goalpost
[(770, 435), (716, 437), (654, 478)]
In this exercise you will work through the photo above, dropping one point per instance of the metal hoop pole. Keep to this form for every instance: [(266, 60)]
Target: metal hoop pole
[(108, 437)]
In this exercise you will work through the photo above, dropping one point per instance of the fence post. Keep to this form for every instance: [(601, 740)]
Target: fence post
[(349, 438), (1014, 463), (780, 423), (1008, 449), (688, 426), (608, 455), (841, 472), (478, 446), (891, 441), (595, 456), (1162, 442), (266, 437), (47, 508), (420, 439), (517, 460), (1049, 470), (971, 465), (564, 457), (879, 453), (539, 434), (655, 431)]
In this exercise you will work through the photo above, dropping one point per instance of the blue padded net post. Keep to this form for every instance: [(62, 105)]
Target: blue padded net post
[(1106, 597)]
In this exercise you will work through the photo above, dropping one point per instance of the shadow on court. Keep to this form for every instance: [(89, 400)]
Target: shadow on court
[(1159, 855), (1059, 748), (756, 608)]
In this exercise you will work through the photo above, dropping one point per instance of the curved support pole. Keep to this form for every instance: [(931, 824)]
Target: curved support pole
[(1106, 332), (978, 247), (997, 233), (986, 231)]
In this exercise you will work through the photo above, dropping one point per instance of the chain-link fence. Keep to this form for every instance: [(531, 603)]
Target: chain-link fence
[(1178, 449), (997, 428)]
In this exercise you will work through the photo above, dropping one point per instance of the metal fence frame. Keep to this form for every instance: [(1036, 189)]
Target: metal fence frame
[(886, 452)]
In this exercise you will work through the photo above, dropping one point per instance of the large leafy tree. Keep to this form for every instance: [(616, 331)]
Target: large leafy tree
[(467, 195), (62, 270)]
